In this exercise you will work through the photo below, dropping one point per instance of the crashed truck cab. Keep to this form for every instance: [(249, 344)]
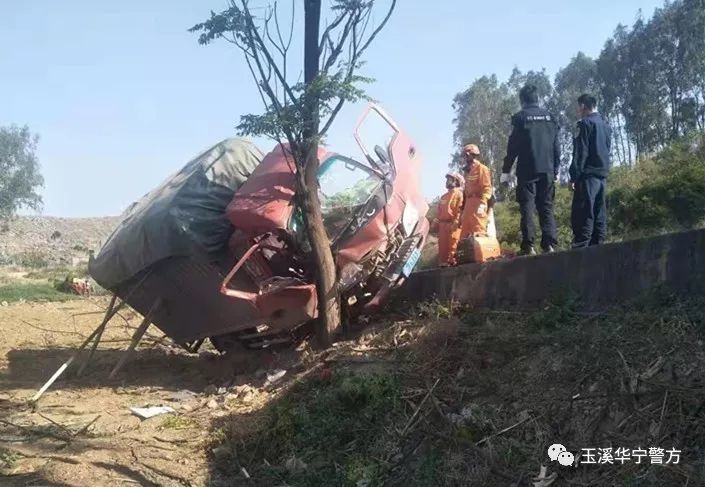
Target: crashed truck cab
[(219, 252), (374, 215)]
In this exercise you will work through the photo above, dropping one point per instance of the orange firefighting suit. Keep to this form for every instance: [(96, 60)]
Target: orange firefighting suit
[(478, 191), (449, 210)]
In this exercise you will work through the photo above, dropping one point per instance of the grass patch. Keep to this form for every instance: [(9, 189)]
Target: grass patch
[(174, 422), (57, 273), (8, 459), (32, 291), (324, 433)]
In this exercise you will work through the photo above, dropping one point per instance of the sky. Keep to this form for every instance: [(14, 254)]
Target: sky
[(122, 95)]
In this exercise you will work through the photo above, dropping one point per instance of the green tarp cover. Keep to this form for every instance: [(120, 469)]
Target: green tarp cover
[(185, 215)]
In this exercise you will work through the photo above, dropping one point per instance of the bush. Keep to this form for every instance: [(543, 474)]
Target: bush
[(34, 259), (507, 221), (666, 193), (32, 291)]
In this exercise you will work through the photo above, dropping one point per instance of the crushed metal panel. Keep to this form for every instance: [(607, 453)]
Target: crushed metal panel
[(192, 305)]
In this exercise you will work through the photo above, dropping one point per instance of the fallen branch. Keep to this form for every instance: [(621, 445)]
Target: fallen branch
[(58, 332), (418, 408), (85, 428), (33, 431), (176, 442), (501, 432), (65, 428), (660, 421), (542, 480)]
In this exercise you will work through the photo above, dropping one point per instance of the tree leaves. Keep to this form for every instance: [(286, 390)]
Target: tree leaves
[(649, 80), (19, 171)]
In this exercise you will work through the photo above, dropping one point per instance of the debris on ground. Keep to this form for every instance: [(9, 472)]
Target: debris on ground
[(274, 377), (183, 395), (151, 411)]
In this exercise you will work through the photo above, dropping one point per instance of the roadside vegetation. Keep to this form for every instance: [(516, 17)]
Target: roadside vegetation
[(452, 396), (40, 283)]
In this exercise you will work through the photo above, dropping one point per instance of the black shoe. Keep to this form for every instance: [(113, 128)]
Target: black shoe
[(529, 251), (549, 250)]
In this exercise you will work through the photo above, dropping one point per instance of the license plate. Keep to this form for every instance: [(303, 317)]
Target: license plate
[(411, 263)]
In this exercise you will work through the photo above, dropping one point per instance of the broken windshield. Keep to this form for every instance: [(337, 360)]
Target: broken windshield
[(344, 189)]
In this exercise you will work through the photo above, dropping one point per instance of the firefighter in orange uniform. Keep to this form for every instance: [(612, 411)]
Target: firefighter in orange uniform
[(449, 210), (478, 191)]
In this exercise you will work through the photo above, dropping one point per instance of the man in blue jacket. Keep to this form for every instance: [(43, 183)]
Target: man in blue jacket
[(588, 175), (534, 144)]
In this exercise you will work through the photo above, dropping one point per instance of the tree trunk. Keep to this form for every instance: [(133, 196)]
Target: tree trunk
[(326, 286), (328, 300)]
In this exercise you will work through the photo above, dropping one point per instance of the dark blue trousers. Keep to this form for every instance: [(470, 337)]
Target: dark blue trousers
[(589, 211)]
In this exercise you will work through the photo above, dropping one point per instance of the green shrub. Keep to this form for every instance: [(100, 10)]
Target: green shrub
[(34, 259), (507, 221), (33, 291), (662, 194)]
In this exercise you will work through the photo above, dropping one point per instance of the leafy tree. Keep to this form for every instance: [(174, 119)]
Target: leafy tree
[(301, 113), (482, 117), (690, 23), (650, 83), (537, 78), (20, 177), (579, 76), (613, 95), (649, 80)]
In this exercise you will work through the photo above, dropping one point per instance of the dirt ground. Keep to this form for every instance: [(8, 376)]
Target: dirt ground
[(453, 396), (82, 431)]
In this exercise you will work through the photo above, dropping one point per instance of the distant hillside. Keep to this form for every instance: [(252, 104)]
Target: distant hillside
[(35, 241)]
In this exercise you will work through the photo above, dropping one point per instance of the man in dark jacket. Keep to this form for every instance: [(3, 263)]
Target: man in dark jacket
[(534, 144), (588, 175)]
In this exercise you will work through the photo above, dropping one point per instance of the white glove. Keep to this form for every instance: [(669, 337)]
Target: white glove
[(481, 210), (505, 178)]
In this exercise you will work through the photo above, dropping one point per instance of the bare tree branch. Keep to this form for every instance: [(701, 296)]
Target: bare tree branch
[(278, 45), (337, 48), (258, 42), (365, 22), (325, 37), (378, 29)]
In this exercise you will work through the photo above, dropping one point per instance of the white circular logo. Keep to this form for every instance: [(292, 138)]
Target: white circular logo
[(555, 450), (566, 458)]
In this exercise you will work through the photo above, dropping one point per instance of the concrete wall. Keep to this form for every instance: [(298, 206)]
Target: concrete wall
[(600, 276)]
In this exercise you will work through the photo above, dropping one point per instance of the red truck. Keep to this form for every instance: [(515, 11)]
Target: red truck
[(259, 287)]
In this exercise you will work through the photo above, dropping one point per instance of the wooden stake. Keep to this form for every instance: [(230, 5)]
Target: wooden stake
[(136, 337), (97, 333), (111, 311), (66, 364)]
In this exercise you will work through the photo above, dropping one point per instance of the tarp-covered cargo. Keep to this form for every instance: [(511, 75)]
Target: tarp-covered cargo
[(184, 216)]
